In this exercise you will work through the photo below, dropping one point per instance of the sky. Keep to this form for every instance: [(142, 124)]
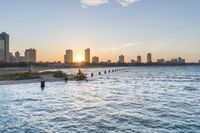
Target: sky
[(166, 28)]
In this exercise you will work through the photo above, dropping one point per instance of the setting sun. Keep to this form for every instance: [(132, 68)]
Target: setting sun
[(79, 58)]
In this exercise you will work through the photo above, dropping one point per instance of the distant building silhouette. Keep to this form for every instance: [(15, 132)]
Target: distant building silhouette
[(160, 61), (180, 60), (68, 57), (30, 55), (175, 61), (149, 58), (2, 50), (139, 59), (109, 61), (19, 58), (4, 47), (11, 58), (95, 59), (133, 61), (87, 55), (121, 59)]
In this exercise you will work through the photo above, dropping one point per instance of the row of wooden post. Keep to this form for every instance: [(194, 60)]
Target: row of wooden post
[(109, 71), (42, 83)]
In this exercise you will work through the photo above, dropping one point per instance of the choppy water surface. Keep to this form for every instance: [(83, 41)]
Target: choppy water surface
[(140, 99)]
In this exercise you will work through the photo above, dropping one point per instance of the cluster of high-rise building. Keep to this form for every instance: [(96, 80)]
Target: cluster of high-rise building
[(68, 57), (139, 59), (7, 56), (178, 60), (30, 55)]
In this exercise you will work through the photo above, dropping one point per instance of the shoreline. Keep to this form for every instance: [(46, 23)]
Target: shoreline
[(27, 81), (32, 77)]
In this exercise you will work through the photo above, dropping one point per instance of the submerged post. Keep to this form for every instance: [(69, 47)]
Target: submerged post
[(99, 73), (92, 74), (42, 83), (66, 79), (104, 72), (109, 71)]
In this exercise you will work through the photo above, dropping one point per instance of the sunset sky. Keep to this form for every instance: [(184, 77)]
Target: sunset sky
[(166, 28)]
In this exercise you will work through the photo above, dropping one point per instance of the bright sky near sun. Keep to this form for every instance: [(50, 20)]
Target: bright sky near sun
[(166, 28)]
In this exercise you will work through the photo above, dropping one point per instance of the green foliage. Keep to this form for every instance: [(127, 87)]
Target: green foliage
[(20, 76), (59, 74), (80, 75)]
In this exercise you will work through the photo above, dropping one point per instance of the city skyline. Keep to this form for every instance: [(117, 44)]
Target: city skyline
[(30, 55), (108, 27)]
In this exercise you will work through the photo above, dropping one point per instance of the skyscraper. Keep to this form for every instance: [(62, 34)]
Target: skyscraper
[(87, 55), (17, 57), (4, 46), (2, 49), (149, 58), (121, 59), (11, 57), (139, 59), (30, 55), (68, 57), (95, 59)]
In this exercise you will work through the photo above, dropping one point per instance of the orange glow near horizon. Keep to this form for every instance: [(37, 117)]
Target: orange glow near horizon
[(79, 58)]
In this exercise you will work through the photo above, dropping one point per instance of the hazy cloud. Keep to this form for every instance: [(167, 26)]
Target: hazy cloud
[(85, 3), (126, 2), (123, 46)]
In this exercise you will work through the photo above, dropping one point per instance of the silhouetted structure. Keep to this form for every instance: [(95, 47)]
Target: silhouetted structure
[(121, 59), (109, 61), (160, 61), (133, 61), (87, 55), (68, 57), (176, 61), (139, 59), (149, 58), (30, 55), (4, 47), (95, 59), (11, 58)]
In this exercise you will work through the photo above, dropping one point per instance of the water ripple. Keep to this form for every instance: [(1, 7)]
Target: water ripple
[(140, 99)]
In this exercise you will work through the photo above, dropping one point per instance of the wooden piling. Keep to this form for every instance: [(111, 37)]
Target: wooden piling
[(42, 84)]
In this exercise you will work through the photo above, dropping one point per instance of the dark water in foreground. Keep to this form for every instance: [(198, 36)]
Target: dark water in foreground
[(140, 99)]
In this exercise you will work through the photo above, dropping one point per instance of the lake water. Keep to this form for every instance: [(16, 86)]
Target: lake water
[(139, 99)]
